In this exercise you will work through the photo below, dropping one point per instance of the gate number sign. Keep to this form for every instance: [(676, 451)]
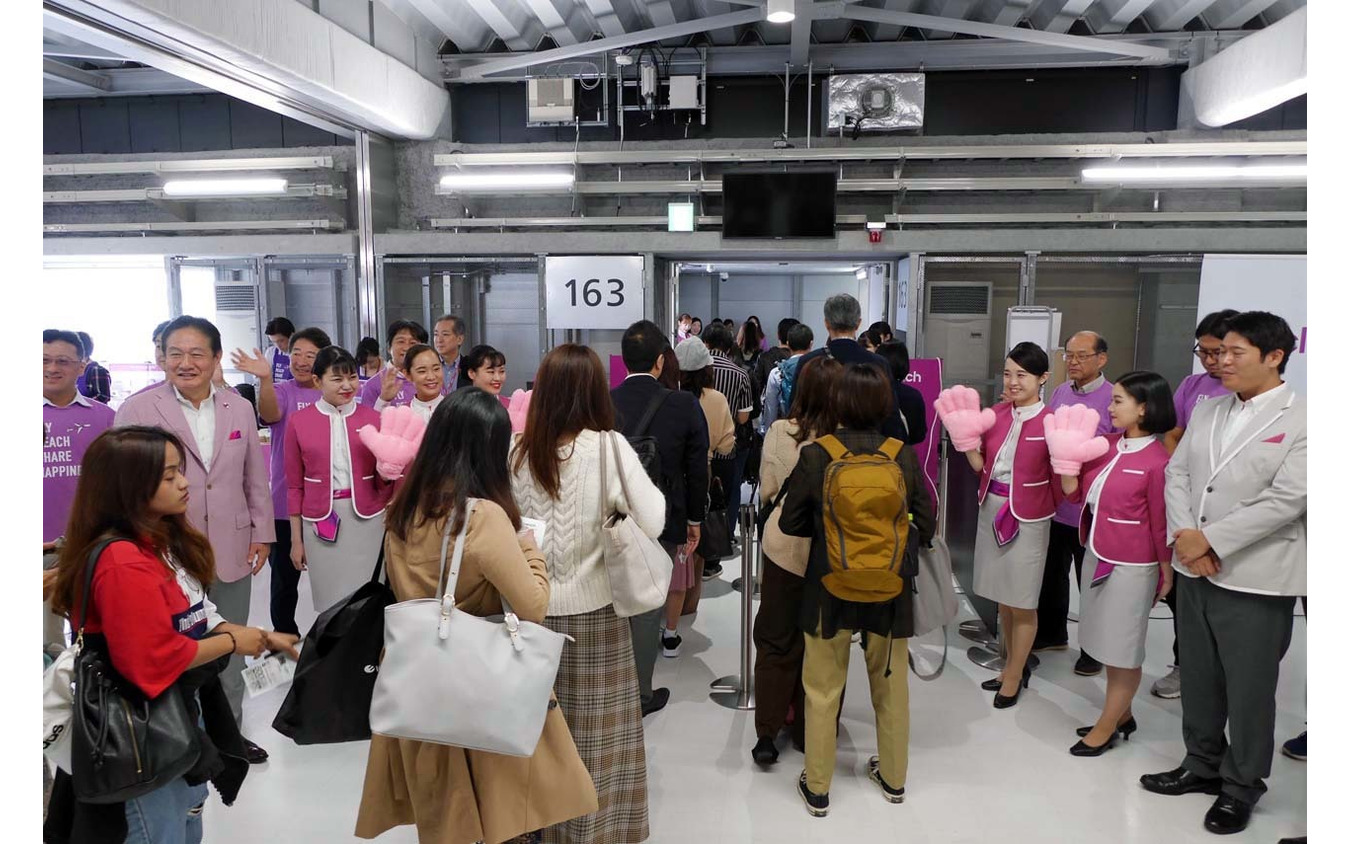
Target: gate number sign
[(593, 291)]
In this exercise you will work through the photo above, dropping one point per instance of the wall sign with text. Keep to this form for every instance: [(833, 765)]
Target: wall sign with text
[(593, 291)]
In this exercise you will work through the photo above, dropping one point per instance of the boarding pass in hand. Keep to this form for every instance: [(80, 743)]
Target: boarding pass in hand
[(267, 673)]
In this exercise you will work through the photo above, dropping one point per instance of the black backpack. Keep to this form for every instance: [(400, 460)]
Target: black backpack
[(645, 445)]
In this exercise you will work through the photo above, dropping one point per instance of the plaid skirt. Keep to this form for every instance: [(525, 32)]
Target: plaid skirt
[(597, 690)]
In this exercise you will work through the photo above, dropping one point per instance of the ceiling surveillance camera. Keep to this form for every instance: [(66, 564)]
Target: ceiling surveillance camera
[(724, 276)]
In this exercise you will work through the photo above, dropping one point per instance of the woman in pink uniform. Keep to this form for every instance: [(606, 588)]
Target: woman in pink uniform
[(1124, 529)]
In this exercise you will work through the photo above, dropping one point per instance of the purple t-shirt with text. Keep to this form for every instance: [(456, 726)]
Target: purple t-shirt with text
[(1192, 390), (370, 391), (66, 433), (291, 398), (1099, 399)]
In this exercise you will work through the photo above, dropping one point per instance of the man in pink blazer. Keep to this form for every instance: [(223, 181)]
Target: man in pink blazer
[(230, 499)]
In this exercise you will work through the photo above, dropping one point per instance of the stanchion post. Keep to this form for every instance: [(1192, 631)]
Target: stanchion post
[(738, 692)]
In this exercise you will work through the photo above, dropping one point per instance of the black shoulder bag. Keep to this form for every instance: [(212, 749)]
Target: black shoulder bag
[(125, 745), (645, 446)]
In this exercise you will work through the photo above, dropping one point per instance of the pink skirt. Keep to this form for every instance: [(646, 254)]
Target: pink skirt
[(683, 578)]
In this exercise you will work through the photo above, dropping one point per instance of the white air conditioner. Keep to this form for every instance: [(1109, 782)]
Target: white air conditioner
[(550, 100), (237, 316), (957, 328)]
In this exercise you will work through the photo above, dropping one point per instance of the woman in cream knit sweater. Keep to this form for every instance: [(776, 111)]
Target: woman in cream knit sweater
[(555, 478)]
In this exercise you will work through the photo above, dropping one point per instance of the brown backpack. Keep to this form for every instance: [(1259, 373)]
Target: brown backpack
[(866, 516)]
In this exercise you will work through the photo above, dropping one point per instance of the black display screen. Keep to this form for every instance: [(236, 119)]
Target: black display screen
[(777, 205)]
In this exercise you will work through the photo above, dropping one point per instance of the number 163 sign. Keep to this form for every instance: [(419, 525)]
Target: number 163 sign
[(593, 291)]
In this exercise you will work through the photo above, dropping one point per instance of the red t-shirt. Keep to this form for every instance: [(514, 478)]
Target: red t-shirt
[(138, 605)]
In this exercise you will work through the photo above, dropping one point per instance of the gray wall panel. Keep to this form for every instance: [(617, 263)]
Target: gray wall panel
[(205, 122), (104, 126), (154, 124), (251, 126)]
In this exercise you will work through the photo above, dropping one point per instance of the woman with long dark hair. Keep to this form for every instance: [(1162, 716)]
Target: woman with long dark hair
[(777, 634), (453, 795), (150, 614), (556, 475)]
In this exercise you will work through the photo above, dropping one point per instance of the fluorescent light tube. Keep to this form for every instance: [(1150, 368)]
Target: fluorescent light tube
[(225, 187), (499, 181), (1195, 172)]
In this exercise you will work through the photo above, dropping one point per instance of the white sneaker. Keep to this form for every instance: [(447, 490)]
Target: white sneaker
[(1169, 687), (670, 644)]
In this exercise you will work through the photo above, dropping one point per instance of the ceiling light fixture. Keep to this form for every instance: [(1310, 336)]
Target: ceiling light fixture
[(781, 11), (1196, 172), (225, 187), (500, 181)]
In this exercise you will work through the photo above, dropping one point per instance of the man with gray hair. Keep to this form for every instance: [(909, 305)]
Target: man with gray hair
[(448, 337), (843, 316)]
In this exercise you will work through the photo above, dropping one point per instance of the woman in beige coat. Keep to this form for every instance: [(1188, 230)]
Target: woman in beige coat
[(777, 635), (686, 585), (453, 795)]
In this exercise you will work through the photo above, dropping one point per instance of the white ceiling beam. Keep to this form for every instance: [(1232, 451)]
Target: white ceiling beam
[(1232, 14), (632, 39), (988, 30), (1058, 15), (129, 81), (953, 9), (506, 30), (1003, 12), (456, 22), (1107, 16), (890, 32), (1281, 10), (801, 33), (1171, 15), (62, 72), (662, 14), (606, 18), (565, 21)]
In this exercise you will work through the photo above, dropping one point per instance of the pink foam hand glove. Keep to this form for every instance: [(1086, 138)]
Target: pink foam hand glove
[(959, 409), (520, 407), (1071, 436), (395, 442)]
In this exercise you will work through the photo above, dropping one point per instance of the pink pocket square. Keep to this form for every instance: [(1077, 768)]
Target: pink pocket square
[(1277, 439), (235, 435)]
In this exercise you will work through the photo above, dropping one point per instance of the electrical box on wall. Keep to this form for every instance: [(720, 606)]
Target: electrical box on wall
[(550, 100), (684, 92)]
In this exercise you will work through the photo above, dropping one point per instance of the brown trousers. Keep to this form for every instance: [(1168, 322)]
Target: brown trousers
[(778, 653)]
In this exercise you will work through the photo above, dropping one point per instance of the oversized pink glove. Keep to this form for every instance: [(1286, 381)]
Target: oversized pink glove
[(520, 406), (959, 409), (395, 442), (1071, 436)]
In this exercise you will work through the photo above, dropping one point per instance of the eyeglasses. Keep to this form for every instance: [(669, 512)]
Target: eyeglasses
[(1206, 354), (64, 363), (1079, 357)]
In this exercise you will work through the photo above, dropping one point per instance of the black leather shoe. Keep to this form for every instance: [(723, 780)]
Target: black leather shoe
[(1086, 666), (1179, 781), (1228, 815), (764, 752), (253, 753), (1124, 729), (1082, 748), (660, 697)]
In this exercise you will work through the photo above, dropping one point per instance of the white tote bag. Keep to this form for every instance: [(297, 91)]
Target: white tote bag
[(452, 678), (934, 596), (639, 568), (58, 707)]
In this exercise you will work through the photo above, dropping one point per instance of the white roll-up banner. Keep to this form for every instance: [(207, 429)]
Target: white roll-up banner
[(1274, 283)]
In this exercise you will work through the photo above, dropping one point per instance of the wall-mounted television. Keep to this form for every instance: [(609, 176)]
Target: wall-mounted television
[(778, 205)]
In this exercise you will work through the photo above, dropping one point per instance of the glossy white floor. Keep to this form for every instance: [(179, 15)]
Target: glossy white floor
[(976, 774)]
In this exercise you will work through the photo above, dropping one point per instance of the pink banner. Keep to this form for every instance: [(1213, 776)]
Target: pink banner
[(925, 375), (617, 371)]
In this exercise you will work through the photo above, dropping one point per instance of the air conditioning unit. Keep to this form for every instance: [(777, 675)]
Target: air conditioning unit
[(237, 316), (958, 328), (550, 100)]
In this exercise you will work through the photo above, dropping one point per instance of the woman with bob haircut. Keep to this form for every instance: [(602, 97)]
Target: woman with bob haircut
[(1124, 529), (485, 368)]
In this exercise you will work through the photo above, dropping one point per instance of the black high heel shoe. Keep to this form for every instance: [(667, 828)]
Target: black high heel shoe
[(1002, 701), (1082, 748), (997, 683), (1123, 729)]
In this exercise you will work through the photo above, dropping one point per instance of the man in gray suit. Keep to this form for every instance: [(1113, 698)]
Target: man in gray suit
[(1237, 502)]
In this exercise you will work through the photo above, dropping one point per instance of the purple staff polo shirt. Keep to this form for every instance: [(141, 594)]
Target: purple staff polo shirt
[(1194, 389), (370, 391), (66, 434), (1097, 395), (291, 398)]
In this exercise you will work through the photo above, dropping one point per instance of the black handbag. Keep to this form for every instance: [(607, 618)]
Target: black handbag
[(125, 745), (714, 541), (329, 699)]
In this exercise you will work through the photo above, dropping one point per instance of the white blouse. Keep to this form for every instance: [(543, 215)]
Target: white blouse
[(1003, 463), (340, 455), (424, 409)]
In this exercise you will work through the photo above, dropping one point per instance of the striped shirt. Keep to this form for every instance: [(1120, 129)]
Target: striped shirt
[(733, 382), (95, 383)]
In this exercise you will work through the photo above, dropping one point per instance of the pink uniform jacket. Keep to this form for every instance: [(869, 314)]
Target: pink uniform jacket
[(232, 503), (1130, 524), (1034, 497), (309, 466)]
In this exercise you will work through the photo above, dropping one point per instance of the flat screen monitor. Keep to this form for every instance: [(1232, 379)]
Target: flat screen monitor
[(778, 205)]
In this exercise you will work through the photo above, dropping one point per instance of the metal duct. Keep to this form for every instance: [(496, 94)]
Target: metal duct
[(875, 102), (296, 50), (1257, 73)]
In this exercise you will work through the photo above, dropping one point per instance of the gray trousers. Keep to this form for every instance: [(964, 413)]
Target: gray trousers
[(1231, 644), (646, 629), (232, 601), (53, 626)]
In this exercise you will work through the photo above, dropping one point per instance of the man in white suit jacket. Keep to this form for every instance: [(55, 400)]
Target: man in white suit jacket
[(230, 499), (1237, 502)]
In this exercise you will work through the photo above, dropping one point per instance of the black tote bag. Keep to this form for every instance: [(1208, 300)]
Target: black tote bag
[(329, 700), (715, 537)]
